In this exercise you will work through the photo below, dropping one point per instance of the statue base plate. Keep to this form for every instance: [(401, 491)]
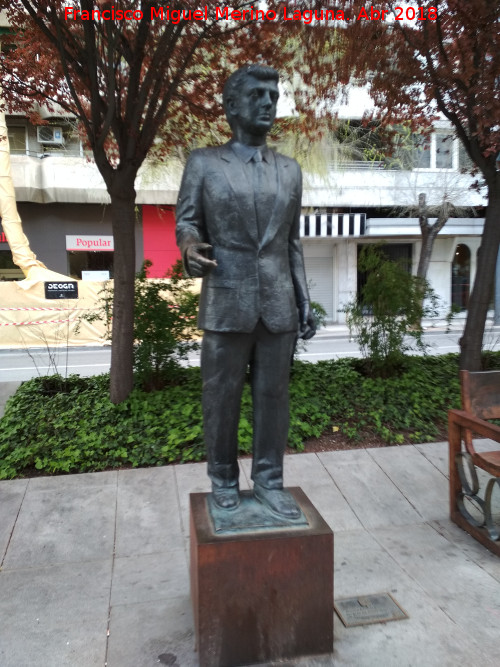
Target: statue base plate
[(249, 516), (260, 593)]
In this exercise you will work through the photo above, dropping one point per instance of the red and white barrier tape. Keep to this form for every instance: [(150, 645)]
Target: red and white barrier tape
[(22, 324), (54, 309)]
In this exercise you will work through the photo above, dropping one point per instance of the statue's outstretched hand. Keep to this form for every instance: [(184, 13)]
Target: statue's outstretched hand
[(198, 262), (307, 321)]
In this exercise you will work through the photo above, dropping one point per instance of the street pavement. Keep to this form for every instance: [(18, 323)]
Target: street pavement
[(331, 342), (94, 567)]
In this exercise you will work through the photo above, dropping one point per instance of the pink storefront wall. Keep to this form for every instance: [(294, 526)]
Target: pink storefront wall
[(158, 230)]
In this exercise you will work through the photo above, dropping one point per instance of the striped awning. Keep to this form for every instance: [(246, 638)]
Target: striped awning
[(332, 225)]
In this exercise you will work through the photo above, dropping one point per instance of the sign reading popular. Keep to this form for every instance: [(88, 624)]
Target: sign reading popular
[(93, 243)]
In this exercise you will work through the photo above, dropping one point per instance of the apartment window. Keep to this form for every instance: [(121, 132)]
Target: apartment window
[(464, 161), (438, 151), (422, 154), (17, 139), (444, 145)]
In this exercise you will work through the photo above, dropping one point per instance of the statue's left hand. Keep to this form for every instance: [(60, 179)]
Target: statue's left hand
[(307, 321)]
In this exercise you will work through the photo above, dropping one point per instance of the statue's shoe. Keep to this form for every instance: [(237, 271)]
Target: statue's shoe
[(277, 500), (226, 498)]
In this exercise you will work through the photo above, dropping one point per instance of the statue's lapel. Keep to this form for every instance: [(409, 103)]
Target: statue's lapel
[(279, 203), (242, 189)]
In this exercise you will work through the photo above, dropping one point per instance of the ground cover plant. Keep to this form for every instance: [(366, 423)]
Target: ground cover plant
[(49, 431)]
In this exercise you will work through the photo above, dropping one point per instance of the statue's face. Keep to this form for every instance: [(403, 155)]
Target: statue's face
[(254, 108)]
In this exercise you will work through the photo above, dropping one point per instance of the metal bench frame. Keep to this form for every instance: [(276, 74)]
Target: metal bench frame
[(480, 402)]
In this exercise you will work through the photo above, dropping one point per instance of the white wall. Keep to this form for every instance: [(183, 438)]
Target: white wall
[(344, 258), (439, 273)]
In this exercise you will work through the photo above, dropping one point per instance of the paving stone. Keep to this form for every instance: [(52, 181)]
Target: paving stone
[(245, 472), (308, 472), (437, 454), (60, 523), (190, 478), (82, 480), (371, 494), (55, 616), (148, 519), (151, 634), (427, 638), (152, 577), (425, 488), (470, 547), (11, 496), (466, 592)]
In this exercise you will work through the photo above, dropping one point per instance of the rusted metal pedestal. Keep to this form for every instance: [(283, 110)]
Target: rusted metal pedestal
[(261, 594)]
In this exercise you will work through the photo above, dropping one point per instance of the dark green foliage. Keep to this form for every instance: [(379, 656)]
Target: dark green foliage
[(319, 314), (411, 407), (164, 324), (320, 317), (81, 430), (389, 309)]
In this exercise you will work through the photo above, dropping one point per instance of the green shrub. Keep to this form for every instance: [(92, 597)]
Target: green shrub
[(164, 325), (165, 329), (389, 309)]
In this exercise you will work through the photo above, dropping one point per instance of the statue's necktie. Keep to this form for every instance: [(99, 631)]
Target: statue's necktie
[(258, 191)]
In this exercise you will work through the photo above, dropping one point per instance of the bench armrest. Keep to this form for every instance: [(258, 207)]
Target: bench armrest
[(479, 426)]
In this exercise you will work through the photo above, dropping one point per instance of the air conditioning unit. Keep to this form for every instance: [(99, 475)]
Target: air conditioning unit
[(50, 134)]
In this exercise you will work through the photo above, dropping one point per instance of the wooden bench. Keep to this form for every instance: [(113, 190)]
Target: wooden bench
[(469, 507)]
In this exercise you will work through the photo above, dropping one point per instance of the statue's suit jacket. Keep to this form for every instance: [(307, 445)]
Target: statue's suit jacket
[(254, 278)]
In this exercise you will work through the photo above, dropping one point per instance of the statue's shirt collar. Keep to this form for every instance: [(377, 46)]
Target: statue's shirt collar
[(246, 153)]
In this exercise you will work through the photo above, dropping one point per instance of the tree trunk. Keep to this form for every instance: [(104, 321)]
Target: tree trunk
[(123, 212), (472, 340), (429, 234)]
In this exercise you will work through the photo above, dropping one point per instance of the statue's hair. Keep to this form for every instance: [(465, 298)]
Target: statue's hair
[(235, 80)]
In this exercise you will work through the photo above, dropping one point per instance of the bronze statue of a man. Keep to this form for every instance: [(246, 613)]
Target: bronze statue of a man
[(238, 226)]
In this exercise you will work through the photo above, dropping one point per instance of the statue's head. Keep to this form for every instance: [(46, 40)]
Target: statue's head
[(250, 97)]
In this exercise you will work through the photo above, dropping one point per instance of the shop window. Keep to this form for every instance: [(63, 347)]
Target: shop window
[(9, 270), (89, 261), (460, 277)]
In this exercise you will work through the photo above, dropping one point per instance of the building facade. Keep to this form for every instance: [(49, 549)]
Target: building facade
[(65, 211)]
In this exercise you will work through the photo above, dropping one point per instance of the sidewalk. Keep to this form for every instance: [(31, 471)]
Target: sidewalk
[(431, 326), (94, 568), (7, 389)]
